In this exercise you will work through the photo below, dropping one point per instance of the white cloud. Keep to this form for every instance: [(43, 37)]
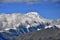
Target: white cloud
[(28, 1), (54, 0)]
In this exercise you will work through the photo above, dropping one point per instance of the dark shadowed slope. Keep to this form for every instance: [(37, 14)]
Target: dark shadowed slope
[(41, 35), (46, 34)]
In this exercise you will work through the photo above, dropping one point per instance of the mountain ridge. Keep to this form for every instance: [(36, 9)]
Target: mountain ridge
[(12, 21)]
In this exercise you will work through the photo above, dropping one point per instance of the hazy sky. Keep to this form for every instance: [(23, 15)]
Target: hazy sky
[(47, 8)]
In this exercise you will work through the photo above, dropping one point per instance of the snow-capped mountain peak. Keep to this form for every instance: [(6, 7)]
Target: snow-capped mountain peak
[(32, 13), (14, 20)]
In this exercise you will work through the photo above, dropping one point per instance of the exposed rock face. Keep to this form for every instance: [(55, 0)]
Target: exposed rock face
[(41, 35), (46, 34)]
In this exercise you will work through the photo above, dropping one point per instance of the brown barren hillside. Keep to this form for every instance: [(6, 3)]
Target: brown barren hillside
[(41, 35)]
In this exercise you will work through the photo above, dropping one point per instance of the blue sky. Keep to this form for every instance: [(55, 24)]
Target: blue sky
[(50, 10)]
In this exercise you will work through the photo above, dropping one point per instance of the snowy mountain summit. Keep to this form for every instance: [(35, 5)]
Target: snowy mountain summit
[(31, 19)]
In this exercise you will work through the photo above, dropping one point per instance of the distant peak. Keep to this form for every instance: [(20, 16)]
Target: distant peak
[(33, 13), (58, 19)]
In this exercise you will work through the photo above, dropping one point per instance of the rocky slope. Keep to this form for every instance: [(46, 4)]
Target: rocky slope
[(41, 35), (47, 34)]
